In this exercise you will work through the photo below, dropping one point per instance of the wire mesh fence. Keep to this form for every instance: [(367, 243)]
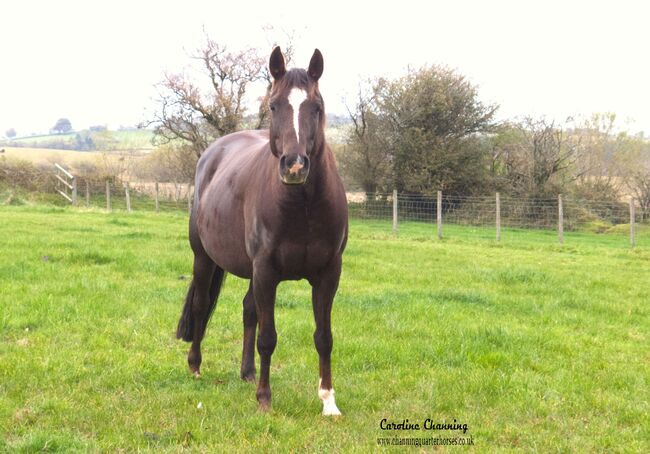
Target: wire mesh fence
[(114, 194), (501, 218), (497, 217)]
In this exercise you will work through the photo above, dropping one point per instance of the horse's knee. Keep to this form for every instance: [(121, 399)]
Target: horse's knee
[(249, 316), (266, 341), (323, 341)]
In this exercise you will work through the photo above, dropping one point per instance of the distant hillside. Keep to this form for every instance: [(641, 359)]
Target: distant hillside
[(86, 140)]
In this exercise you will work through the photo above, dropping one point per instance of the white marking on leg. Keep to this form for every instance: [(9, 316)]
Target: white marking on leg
[(329, 404), (296, 98)]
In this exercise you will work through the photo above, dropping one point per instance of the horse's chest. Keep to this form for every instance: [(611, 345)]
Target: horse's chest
[(296, 259)]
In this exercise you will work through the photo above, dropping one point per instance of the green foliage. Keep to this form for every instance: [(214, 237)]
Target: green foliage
[(418, 133), (172, 162), (62, 126), (529, 343)]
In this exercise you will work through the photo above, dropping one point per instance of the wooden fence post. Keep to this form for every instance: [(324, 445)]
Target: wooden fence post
[(157, 203), (87, 194), (560, 219), (128, 197), (108, 195), (74, 191), (439, 214), (395, 211), (632, 223), (498, 217), (189, 198)]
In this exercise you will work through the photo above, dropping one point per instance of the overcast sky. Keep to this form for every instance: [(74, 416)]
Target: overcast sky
[(95, 62)]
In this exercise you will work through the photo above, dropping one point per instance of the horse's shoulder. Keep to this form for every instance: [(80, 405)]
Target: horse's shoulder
[(221, 150)]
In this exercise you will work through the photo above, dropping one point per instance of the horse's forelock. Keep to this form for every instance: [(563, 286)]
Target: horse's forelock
[(294, 78)]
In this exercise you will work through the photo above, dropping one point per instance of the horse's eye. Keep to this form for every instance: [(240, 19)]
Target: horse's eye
[(272, 107)]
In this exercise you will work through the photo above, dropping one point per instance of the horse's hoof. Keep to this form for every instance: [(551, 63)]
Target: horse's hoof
[(196, 374), (264, 407), (249, 377), (331, 412)]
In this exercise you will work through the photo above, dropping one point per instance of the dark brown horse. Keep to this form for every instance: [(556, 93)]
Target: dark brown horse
[(270, 206)]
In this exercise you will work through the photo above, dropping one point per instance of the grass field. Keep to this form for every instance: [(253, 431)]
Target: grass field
[(48, 156), (536, 347), (131, 139)]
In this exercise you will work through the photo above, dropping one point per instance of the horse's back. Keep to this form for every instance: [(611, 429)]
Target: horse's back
[(224, 172)]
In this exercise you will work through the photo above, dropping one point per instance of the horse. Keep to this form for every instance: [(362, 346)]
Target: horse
[(270, 206)]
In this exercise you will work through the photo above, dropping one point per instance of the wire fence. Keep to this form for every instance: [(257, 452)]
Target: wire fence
[(492, 215), (445, 215), (114, 194)]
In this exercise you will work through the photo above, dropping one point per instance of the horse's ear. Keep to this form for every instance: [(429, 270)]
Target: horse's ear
[(276, 64), (316, 65)]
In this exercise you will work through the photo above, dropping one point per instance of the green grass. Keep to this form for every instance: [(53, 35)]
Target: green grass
[(533, 345)]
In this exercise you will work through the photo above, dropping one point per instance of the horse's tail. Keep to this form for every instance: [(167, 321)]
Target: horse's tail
[(186, 323)]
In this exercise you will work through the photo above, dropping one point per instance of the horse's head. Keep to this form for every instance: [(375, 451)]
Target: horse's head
[(297, 116)]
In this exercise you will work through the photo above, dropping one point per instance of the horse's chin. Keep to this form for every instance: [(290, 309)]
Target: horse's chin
[(293, 181)]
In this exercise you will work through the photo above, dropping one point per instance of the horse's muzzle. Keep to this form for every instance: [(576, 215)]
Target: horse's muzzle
[(294, 168)]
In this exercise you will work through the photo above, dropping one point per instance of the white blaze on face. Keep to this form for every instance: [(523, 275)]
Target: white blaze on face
[(296, 98), (327, 397)]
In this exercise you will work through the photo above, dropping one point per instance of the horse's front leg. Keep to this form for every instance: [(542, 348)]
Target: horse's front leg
[(323, 290), (264, 286)]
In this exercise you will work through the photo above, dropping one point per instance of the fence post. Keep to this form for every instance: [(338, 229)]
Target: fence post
[(87, 194), (157, 203), (439, 214), (128, 197), (108, 195), (560, 219), (498, 217), (189, 198), (632, 221), (74, 191), (394, 210)]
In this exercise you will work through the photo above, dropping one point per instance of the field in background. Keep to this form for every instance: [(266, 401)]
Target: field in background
[(124, 140), (48, 156), (532, 345)]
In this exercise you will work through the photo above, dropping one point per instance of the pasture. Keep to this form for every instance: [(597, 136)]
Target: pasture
[(534, 346), (48, 156)]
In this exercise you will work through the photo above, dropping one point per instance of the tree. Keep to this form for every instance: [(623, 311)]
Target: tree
[(603, 158), (534, 157), (10, 133), (424, 127), (637, 170), (193, 115), (365, 158), (173, 163), (62, 126), (196, 111)]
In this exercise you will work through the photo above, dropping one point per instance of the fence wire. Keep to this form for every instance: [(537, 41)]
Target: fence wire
[(480, 217), (112, 194), (472, 215)]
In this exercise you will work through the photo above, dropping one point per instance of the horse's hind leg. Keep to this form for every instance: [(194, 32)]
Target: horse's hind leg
[(199, 305), (250, 327)]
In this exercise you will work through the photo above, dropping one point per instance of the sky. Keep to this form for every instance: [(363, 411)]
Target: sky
[(97, 62)]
